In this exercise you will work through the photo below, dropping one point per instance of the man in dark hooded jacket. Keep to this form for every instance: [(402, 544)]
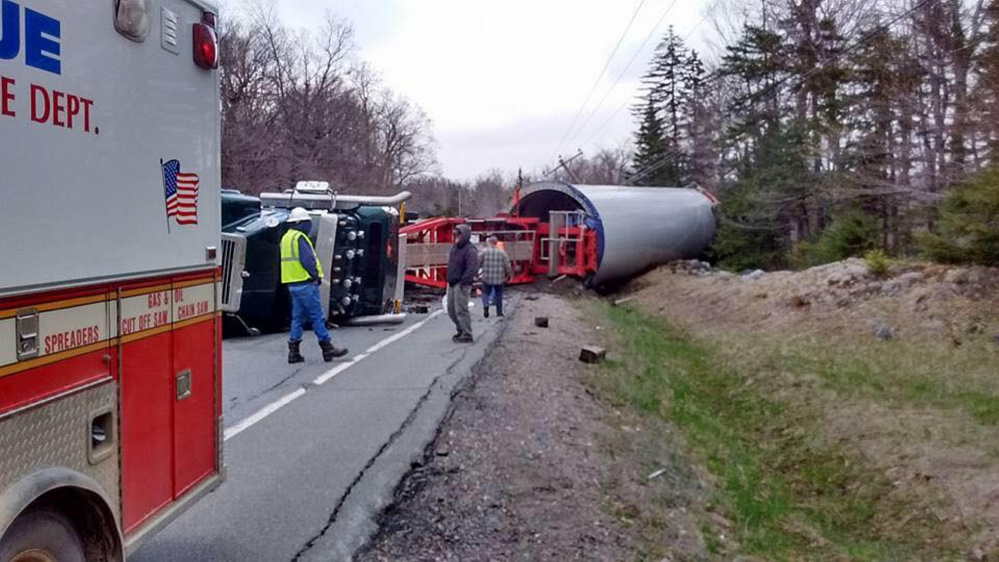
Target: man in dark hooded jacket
[(462, 265)]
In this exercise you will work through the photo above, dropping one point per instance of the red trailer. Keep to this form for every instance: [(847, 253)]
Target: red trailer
[(528, 241)]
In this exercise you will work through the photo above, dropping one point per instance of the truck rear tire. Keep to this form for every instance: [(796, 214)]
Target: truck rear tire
[(41, 535)]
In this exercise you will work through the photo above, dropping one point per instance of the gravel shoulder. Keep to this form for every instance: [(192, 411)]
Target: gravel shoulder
[(530, 465)]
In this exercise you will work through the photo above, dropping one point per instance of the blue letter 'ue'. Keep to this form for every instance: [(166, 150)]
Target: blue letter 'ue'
[(41, 37)]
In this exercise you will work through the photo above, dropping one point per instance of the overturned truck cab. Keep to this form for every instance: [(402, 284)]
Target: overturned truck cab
[(356, 240)]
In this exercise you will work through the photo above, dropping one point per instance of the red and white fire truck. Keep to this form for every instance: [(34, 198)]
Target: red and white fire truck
[(110, 368)]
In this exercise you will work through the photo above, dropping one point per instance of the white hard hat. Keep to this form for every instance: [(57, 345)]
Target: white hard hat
[(298, 214)]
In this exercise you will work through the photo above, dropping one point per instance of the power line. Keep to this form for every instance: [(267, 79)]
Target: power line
[(627, 67), (600, 76), (611, 117), (670, 157)]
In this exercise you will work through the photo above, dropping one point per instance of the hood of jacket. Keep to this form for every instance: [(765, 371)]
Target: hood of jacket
[(466, 234)]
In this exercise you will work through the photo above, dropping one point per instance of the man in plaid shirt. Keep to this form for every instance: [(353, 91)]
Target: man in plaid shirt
[(496, 270)]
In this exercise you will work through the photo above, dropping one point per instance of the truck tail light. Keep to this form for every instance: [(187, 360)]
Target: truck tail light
[(131, 19), (208, 19), (206, 49)]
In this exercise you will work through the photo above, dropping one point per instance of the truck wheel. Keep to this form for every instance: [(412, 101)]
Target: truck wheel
[(41, 535)]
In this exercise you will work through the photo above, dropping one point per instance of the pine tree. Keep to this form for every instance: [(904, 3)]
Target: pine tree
[(771, 151), (700, 126), (672, 86), (757, 63), (764, 203), (665, 84), (654, 163)]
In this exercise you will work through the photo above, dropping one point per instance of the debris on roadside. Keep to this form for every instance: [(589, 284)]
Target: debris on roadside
[(541, 321), (619, 302), (592, 354)]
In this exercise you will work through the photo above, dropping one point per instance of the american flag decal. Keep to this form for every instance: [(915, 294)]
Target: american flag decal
[(181, 191)]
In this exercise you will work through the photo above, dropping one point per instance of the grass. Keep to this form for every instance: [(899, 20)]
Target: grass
[(789, 493), (903, 373)]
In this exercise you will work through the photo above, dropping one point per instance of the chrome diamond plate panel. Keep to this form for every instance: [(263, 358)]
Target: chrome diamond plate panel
[(57, 434)]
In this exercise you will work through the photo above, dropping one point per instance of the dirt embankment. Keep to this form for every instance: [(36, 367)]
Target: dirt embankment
[(902, 368), (530, 466), (918, 302)]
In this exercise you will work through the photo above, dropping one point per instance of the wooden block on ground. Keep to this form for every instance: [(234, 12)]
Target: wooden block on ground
[(592, 354)]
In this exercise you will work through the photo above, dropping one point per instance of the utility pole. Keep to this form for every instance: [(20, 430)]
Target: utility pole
[(564, 164)]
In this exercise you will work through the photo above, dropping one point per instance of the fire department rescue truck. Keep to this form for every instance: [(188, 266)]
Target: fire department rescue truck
[(110, 384)]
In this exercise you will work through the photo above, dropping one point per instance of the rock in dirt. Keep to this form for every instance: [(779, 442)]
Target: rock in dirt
[(957, 276), (909, 279), (592, 354), (754, 275), (884, 333), (798, 301), (541, 321)]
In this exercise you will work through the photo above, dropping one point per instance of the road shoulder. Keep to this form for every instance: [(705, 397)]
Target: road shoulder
[(355, 520), (529, 464)]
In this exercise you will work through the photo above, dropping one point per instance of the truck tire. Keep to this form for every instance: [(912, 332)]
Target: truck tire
[(41, 535)]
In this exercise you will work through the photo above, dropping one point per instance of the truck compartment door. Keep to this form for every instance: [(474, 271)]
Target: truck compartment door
[(194, 378), (146, 348)]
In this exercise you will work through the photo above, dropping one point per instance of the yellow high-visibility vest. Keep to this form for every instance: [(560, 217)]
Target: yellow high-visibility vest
[(292, 270)]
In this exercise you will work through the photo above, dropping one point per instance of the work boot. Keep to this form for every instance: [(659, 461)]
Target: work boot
[(295, 352), (465, 338), (330, 351)]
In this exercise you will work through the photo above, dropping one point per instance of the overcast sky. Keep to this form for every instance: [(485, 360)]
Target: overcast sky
[(503, 80)]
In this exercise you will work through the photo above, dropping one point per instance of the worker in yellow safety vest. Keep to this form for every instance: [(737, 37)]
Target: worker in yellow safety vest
[(302, 273)]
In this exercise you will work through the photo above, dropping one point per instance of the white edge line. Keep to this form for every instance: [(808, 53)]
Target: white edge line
[(392, 339), (325, 377), (269, 409), (262, 413)]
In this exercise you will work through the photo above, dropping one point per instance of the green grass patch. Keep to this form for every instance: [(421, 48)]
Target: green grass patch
[(789, 494), (899, 373)]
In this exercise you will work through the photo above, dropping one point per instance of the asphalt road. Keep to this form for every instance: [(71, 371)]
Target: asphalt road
[(314, 451)]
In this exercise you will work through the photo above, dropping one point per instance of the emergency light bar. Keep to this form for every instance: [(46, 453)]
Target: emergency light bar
[(131, 19), (328, 201), (313, 187)]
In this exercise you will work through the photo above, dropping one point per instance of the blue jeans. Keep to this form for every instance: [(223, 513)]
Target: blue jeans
[(492, 294), (305, 305)]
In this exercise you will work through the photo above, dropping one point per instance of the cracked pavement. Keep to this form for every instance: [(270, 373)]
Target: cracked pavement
[(309, 481)]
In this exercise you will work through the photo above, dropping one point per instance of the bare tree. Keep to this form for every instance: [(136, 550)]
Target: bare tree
[(298, 105)]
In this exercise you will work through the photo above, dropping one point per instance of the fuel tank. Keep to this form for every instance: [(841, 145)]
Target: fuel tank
[(637, 227)]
